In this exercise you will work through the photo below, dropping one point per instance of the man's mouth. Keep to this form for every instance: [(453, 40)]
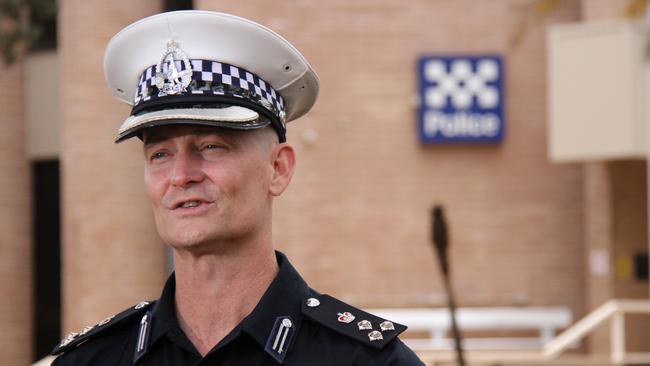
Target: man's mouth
[(188, 204)]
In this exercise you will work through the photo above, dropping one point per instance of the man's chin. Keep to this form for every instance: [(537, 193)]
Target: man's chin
[(184, 238), (187, 240), (184, 233)]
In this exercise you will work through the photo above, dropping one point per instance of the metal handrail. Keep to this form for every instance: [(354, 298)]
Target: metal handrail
[(613, 309)]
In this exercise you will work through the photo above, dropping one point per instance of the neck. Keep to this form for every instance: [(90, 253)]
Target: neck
[(216, 291)]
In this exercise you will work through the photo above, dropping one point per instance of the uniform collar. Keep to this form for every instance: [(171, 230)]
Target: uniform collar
[(164, 312), (283, 298)]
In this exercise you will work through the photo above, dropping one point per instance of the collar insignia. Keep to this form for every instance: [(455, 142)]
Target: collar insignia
[(280, 338), (142, 344)]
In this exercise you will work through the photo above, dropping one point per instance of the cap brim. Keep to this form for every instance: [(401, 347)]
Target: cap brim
[(233, 117)]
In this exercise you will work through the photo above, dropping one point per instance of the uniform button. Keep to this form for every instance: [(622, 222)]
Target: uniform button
[(287, 323), (312, 302)]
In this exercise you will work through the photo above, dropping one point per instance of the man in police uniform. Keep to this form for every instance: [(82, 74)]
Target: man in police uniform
[(211, 96)]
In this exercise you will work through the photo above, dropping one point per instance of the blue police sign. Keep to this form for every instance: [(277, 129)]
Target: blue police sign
[(461, 99)]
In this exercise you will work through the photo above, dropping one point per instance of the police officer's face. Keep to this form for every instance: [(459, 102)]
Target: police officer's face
[(209, 185)]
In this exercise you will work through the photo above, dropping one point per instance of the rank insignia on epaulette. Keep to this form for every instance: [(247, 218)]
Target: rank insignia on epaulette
[(345, 317), (338, 316), (386, 326), (86, 330), (364, 325), (68, 339), (74, 339), (375, 335), (106, 321), (141, 304), (280, 338)]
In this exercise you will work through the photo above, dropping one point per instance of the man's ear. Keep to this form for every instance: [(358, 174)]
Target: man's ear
[(284, 162)]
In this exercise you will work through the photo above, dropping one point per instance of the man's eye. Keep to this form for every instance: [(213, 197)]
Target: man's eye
[(211, 147), (158, 155)]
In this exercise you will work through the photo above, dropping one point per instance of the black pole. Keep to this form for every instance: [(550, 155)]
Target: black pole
[(441, 244)]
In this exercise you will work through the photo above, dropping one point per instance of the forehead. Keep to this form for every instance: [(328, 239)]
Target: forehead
[(161, 133)]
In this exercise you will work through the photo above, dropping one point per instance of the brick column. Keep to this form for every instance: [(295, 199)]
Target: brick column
[(614, 220), (111, 254), (599, 231), (15, 245)]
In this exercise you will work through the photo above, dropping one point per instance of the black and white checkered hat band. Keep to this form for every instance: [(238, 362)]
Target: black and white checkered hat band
[(215, 78)]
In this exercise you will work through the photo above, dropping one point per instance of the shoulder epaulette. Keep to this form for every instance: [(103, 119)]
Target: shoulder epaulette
[(75, 339), (350, 321)]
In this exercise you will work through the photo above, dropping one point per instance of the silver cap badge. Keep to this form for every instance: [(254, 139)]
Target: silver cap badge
[(169, 79)]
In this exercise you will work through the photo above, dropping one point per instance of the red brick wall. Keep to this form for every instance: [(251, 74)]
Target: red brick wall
[(112, 257), (15, 244), (630, 237)]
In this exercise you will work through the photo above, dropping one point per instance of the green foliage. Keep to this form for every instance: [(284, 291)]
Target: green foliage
[(22, 24)]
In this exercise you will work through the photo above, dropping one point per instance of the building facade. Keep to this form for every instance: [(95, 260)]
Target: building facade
[(356, 220)]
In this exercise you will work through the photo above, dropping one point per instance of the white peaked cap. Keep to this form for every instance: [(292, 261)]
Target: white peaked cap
[(243, 75)]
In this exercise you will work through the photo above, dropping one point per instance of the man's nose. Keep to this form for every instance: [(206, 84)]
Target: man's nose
[(186, 170)]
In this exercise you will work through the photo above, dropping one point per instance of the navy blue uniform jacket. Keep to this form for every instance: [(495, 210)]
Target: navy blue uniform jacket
[(281, 330)]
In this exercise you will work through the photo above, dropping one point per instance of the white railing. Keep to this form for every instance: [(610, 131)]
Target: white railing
[(614, 310), (436, 349), (437, 323)]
